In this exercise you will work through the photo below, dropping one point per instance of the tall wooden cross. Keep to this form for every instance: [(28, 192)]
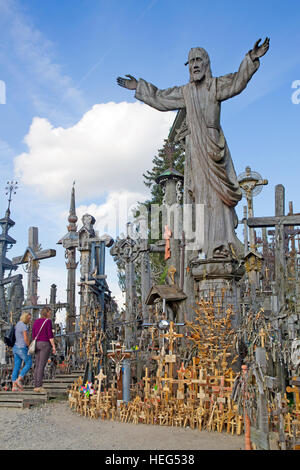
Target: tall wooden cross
[(280, 221), (32, 257), (127, 250)]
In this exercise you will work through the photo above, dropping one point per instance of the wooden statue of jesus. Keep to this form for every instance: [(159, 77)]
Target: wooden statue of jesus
[(210, 178)]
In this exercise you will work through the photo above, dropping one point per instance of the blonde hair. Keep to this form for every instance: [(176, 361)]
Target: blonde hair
[(25, 317), (44, 311)]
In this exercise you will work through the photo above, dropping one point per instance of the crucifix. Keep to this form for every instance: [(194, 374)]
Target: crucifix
[(251, 183), (280, 221), (117, 355), (32, 257)]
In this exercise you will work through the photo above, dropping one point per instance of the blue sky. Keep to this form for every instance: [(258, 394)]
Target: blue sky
[(59, 61)]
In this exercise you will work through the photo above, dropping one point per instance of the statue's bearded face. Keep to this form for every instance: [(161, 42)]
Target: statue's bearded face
[(199, 64), (197, 67)]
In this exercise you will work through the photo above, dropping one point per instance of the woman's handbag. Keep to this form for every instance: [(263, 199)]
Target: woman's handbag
[(10, 337), (32, 346)]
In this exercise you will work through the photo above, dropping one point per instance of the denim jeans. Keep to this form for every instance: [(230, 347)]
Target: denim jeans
[(21, 354)]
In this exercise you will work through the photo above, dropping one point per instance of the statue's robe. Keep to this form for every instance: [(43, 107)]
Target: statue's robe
[(210, 178)]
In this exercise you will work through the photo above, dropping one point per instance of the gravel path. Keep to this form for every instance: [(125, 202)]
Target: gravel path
[(53, 426)]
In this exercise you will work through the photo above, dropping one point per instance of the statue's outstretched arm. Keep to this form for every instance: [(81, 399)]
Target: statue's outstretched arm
[(130, 83), (260, 51), (234, 83), (164, 100)]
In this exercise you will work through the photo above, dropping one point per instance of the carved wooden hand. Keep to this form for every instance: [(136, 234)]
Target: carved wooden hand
[(259, 51), (130, 83)]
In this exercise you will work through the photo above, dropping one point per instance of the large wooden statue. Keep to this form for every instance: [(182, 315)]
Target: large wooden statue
[(210, 178)]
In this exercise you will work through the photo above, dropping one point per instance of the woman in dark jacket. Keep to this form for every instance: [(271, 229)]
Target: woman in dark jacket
[(42, 332)]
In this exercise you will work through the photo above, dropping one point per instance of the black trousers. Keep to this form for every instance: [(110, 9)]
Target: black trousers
[(43, 350)]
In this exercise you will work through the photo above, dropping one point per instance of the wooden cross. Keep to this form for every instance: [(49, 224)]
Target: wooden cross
[(32, 257), (100, 378), (220, 389), (128, 250), (171, 336), (118, 355), (296, 391), (248, 183), (280, 221)]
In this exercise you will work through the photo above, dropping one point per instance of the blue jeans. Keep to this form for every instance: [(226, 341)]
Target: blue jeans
[(21, 354)]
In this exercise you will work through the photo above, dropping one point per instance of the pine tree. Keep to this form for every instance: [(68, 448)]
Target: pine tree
[(162, 162)]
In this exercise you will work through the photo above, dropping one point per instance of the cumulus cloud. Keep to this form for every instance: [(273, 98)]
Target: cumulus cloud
[(111, 216), (107, 150)]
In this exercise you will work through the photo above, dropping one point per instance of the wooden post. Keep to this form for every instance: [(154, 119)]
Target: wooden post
[(262, 404), (280, 259), (246, 417), (245, 230), (145, 281)]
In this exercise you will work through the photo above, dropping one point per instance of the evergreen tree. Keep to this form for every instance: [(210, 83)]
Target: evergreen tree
[(171, 155)]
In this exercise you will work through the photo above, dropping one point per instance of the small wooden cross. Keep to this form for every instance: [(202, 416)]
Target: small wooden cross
[(171, 336), (100, 378)]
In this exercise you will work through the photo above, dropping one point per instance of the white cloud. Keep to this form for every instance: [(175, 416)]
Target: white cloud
[(106, 151), (111, 216)]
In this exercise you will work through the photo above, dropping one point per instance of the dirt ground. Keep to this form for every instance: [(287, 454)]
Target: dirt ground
[(54, 426)]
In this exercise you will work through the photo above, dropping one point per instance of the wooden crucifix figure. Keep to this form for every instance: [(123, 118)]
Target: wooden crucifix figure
[(117, 355)]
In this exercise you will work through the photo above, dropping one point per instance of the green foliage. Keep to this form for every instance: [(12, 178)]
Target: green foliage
[(164, 275), (161, 162)]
